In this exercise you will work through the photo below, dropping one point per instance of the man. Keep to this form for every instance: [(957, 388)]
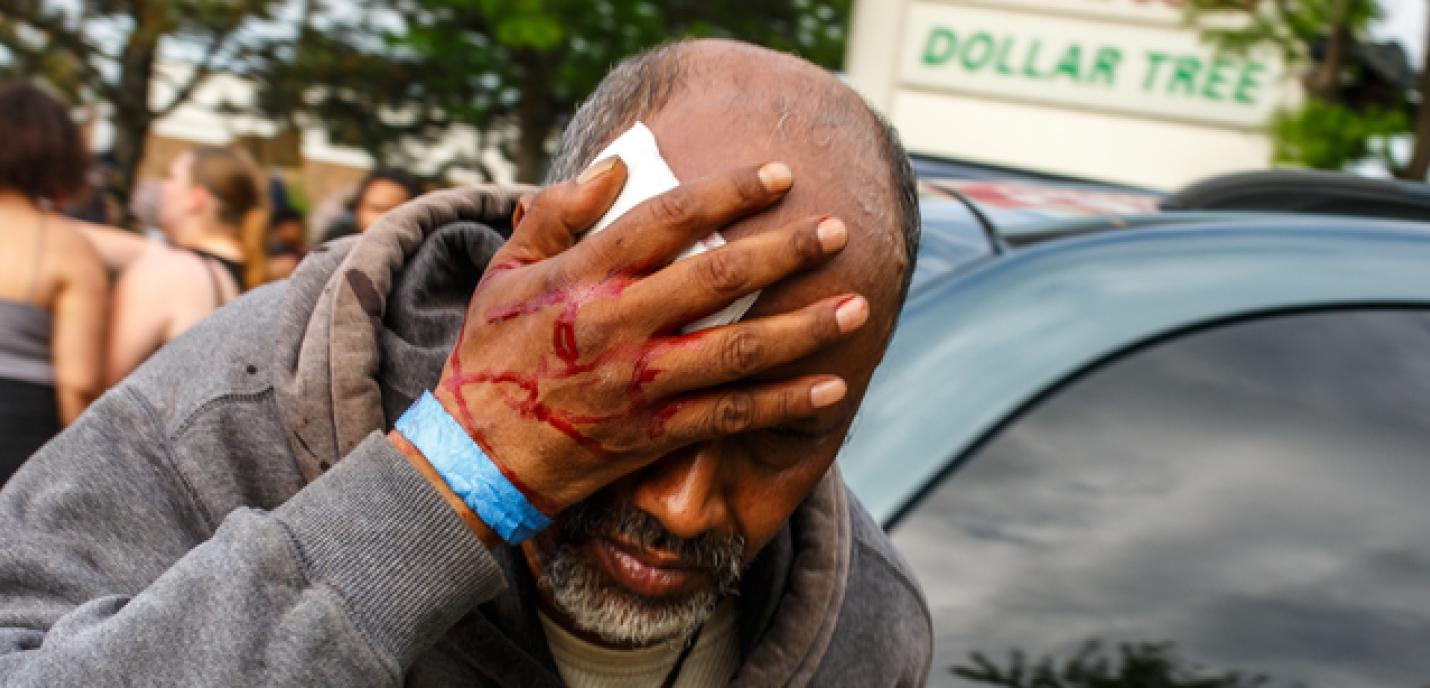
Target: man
[(235, 514)]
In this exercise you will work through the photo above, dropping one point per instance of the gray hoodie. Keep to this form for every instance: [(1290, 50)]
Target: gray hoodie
[(232, 515)]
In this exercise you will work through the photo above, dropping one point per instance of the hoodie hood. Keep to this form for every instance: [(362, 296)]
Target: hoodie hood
[(367, 325), (342, 337)]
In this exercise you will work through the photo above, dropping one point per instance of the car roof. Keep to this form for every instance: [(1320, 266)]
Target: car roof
[(966, 220), (996, 210), (982, 337), (932, 167)]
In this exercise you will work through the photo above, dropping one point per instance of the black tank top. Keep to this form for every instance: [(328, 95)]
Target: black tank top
[(234, 268)]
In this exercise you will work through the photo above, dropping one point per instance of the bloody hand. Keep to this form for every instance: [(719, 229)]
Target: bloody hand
[(571, 371)]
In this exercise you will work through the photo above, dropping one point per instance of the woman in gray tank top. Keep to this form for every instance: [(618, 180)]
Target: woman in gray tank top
[(53, 291)]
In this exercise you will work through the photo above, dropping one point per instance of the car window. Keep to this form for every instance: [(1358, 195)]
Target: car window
[(1246, 502), (951, 238)]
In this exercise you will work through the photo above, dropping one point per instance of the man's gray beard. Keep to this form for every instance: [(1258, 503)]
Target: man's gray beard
[(597, 604)]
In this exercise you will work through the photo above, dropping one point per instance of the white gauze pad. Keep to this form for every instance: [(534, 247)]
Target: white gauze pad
[(647, 176)]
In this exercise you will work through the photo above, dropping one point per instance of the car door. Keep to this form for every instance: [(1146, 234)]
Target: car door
[(1246, 502)]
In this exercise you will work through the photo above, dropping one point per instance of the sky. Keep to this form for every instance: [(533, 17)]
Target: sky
[(1404, 21)]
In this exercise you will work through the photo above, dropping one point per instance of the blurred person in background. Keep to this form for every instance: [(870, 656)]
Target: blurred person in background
[(213, 211), (381, 191), (144, 206), (52, 284), (119, 247), (96, 202), (287, 243)]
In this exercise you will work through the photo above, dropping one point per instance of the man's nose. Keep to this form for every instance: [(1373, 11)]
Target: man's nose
[(686, 491)]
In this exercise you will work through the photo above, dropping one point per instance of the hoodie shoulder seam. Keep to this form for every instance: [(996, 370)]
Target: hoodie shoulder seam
[(164, 446), (206, 406)]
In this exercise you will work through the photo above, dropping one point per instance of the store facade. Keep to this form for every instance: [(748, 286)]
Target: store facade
[(1117, 90)]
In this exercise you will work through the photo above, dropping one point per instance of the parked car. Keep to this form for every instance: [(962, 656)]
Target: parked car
[(1175, 440)]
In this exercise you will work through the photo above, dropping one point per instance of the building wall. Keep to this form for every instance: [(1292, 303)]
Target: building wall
[(159, 154), (316, 180), (1117, 90), (320, 180), (307, 160)]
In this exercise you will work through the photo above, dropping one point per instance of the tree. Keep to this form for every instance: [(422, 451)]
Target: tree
[(348, 74), (1135, 665), (1419, 166), (515, 69), (107, 51), (1358, 94)]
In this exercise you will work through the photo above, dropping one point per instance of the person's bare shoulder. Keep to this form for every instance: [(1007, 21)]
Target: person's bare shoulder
[(117, 247), (72, 257), (161, 270)]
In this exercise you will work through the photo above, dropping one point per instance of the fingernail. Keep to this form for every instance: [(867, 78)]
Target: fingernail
[(851, 314), (597, 170), (832, 234), (827, 393), (776, 176)]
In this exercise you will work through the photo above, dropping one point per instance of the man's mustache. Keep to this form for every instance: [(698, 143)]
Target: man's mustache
[(723, 556)]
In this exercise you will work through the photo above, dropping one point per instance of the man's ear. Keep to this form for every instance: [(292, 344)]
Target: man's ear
[(522, 205)]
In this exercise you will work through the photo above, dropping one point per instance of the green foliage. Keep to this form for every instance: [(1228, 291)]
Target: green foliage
[(1330, 135), (384, 74), (87, 48), (22, 58), (1290, 26), (1340, 122), (107, 51), (1136, 665), (515, 69)]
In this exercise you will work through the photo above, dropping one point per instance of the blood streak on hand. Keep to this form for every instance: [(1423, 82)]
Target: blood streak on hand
[(657, 424), (497, 269), (521, 390), (563, 334), (644, 374)]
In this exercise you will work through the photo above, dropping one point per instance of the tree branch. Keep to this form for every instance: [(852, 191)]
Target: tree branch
[(59, 34), (63, 38), (202, 71)]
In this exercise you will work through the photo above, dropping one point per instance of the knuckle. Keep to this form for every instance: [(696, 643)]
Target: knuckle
[(734, 413), (749, 190), (674, 208), (721, 273), (806, 245), (600, 326), (743, 352), (623, 440), (554, 278), (790, 406), (599, 318), (824, 328)]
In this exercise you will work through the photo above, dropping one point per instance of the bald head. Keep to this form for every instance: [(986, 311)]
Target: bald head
[(714, 104)]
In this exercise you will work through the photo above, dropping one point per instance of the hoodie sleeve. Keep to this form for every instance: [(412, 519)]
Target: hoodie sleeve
[(109, 576)]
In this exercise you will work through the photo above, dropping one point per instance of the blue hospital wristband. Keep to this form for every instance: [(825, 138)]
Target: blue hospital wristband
[(471, 474)]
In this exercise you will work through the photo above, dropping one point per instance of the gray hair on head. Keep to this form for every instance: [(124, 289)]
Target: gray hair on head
[(642, 84)]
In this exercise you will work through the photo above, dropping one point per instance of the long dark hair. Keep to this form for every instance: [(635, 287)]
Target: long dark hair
[(44, 156)]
